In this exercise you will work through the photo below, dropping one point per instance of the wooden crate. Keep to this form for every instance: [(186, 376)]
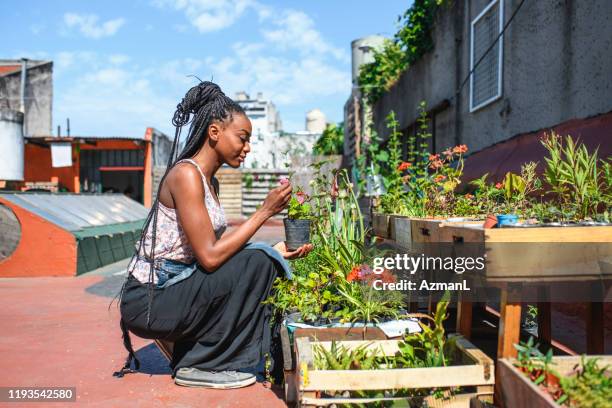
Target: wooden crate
[(380, 225), (473, 369), (588, 257), (516, 390), (323, 334)]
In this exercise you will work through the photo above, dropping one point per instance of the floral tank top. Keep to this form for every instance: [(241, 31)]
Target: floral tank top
[(170, 241)]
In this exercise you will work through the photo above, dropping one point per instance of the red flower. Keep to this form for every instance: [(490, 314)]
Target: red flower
[(460, 149), (354, 275), (404, 166), (439, 178), (499, 185)]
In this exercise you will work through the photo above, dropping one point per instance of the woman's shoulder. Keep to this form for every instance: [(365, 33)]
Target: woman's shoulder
[(185, 175)]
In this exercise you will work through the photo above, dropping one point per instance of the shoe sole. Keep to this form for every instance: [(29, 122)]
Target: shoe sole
[(217, 386)]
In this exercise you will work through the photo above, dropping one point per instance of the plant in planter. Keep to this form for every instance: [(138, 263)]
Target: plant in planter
[(587, 385), (297, 223), (577, 180)]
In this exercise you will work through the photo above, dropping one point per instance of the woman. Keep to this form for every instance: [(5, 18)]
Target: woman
[(188, 282)]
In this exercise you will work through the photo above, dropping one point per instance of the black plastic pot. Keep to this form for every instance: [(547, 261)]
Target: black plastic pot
[(297, 233)]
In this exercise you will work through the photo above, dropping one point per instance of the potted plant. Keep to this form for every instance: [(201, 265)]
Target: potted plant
[(297, 223)]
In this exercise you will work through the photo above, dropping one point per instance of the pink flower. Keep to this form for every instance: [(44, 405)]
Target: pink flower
[(301, 197), (448, 153), (499, 185), (334, 190), (284, 181)]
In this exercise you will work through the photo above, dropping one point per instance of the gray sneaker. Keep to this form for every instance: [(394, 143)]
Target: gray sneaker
[(193, 377)]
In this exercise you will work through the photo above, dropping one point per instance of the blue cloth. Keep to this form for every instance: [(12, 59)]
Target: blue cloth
[(170, 272)]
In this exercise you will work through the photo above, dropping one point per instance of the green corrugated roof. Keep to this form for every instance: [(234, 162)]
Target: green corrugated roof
[(109, 229)]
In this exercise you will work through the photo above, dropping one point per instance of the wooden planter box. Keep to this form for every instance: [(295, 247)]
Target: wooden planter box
[(380, 225), (323, 334), (516, 390), (589, 256), (474, 370)]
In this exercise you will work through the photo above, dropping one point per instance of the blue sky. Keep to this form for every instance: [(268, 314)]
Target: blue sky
[(121, 66)]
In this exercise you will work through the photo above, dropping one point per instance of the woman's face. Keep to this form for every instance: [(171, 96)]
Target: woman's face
[(234, 140)]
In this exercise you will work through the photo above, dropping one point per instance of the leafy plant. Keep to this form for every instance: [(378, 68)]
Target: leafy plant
[(331, 140), (589, 386), (574, 176), (430, 347), (299, 209), (412, 40)]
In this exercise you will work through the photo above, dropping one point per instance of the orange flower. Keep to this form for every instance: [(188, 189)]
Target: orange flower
[(439, 178), (433, 157), (404, 166), (469, 196), (354, 275), (448, 153), (460, 149), (436, 164)]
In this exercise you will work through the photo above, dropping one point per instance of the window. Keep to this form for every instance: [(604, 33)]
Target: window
[(486, 79)]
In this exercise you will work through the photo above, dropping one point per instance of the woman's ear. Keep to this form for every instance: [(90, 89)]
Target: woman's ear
[(214, 130)]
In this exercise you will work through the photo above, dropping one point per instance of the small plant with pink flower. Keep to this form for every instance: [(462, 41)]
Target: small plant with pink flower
[(298, 221)]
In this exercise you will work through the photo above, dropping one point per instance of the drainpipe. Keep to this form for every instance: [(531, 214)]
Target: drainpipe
[(24, 70)]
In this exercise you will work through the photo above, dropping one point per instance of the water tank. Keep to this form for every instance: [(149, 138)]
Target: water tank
[(315, 121), (11, 145), (362, 52)]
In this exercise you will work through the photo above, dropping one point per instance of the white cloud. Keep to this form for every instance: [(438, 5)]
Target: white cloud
[(88, 25), (214, 15), (296, 30), (118, 59)]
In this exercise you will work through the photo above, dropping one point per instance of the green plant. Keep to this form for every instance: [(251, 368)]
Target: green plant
[(412, 40), (299, 209), (574, 178), (590, 387), (331, 140), (247, 179), (430, 347)]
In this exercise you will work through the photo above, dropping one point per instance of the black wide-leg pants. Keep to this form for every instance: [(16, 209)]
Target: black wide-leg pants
[(216, 320)]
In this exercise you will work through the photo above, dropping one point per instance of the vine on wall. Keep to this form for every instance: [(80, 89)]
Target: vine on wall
[(412, 40)]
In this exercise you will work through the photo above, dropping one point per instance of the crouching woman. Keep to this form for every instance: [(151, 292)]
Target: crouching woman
[(190, 283)]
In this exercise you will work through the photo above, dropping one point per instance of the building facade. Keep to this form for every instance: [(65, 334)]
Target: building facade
[(267, 126), (497, 84), (29, 91)]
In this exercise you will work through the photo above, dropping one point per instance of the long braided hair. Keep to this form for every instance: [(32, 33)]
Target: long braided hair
[(202, 105)]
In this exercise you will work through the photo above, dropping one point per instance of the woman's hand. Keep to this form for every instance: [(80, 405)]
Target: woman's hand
[(277, 200), (301, 252)]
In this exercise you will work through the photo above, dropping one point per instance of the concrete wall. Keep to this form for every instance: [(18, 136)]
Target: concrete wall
[(557, 59), (39, 97)]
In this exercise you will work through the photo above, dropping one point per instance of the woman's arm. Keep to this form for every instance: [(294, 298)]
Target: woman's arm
[(185, 185)]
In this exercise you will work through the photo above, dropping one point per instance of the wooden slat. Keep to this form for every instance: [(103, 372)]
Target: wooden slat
[(340, 333), (438, 377), (456, 401)]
